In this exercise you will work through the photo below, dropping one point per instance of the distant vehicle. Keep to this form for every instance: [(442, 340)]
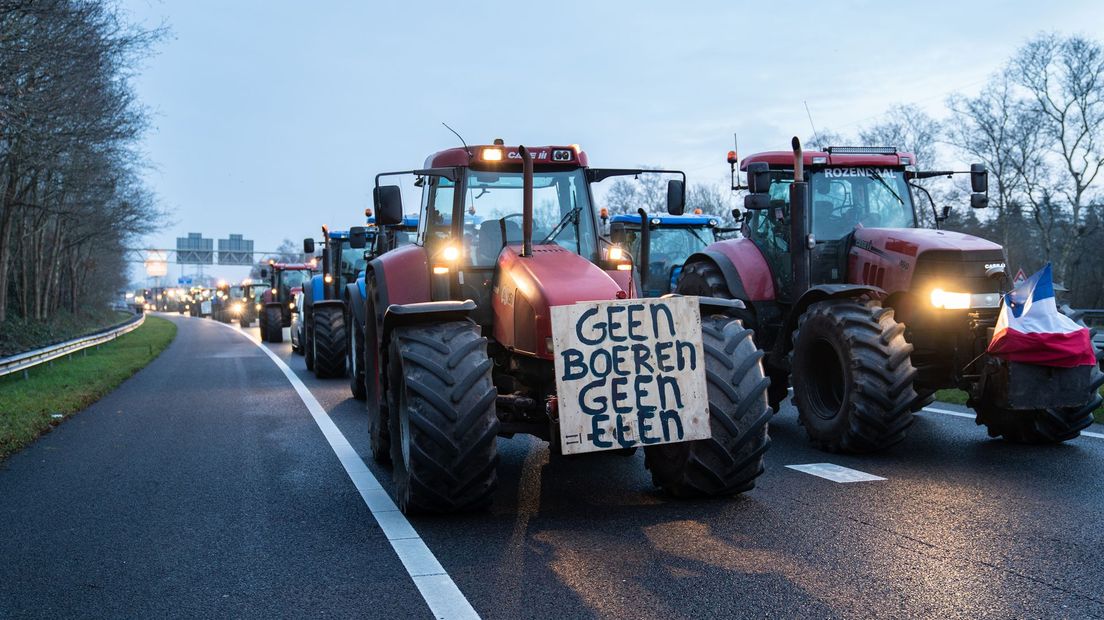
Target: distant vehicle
[(297, 326), (660, 249)]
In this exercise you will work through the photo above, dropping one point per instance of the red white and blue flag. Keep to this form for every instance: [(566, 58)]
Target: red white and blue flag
[(1031, 330)]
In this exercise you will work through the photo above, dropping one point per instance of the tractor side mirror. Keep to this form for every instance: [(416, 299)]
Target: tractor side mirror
[(358, 237), (388, 201), (979, 201), (737, 216), (264, 272), (946, 213), (758, 177), (308, 246), (676, 197), (979, 178), (756, 202)]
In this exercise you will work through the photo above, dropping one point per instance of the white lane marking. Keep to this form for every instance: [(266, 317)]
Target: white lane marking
[(970, 416), (435, 585), (835, 473)]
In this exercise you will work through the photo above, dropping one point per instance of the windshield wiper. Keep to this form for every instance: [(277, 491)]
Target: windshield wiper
[(572, 215), (878, 177)]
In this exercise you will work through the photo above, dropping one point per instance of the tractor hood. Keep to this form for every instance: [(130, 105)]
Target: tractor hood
[(911, 259), (913, 241), (526, 288)]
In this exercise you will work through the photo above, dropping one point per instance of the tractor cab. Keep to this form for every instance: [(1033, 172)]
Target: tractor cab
[(661, 248)]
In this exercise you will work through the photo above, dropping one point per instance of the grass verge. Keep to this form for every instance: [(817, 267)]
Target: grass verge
[(18, 335), (958, 397), (28, 406)]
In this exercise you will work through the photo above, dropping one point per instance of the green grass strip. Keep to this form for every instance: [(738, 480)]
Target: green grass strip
[(70, 384)]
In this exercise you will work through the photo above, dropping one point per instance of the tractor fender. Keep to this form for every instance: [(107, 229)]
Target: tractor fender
[(317, 291), (744, 269), (402, 315), (715, 305), (820, 292), (354, 297)]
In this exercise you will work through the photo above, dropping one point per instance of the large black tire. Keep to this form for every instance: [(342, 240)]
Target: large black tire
[(852, 376), (731, 460), (328, 342), (704, 279), (443, 421), (355, 359), (273, 330), (1040, 426), (242, 323), (375, 402)]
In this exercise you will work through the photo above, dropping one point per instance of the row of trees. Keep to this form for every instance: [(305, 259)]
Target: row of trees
[(70, 190), (1037, 125)]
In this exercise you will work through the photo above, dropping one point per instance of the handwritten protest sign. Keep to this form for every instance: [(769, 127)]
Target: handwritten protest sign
[(629, 373)]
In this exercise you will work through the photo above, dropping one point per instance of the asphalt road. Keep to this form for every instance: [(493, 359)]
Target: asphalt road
[(204, 488)]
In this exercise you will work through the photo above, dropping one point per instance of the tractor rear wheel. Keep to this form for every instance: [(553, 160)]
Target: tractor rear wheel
[(273, 328), (730, 460), (379, 430), (328, 342), (704, 279), (852, 376), (443, 422), (355, 361)]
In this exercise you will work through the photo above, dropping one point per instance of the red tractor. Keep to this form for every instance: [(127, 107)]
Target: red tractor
[(470, 330), (284, 281), (866, 314)]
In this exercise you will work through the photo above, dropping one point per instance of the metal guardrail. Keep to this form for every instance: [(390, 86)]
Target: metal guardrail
[(29, 359)]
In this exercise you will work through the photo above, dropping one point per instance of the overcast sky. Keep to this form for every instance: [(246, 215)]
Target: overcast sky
[(271, 118)]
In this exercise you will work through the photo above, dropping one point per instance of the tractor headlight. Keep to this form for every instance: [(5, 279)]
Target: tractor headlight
[(961, 301), (328, 278), (257, 306), (237, 308), (616, 254)]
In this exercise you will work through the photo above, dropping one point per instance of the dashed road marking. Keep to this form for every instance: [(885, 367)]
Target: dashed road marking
[(957, 414), (835, 473), (437, 588)]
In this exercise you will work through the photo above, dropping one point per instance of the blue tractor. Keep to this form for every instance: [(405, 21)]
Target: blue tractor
[(325, 336), (379, 241), (660, 248)]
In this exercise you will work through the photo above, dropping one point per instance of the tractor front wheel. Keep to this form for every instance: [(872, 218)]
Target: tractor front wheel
[(273, 330), (443, 422), (852, 376), (328, 342), (355, 360), (728, 462)]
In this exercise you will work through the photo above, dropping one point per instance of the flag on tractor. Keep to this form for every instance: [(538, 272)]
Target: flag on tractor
[(1031, 330)]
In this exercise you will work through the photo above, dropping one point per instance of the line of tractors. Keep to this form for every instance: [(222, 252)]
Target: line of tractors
[(824, 284)]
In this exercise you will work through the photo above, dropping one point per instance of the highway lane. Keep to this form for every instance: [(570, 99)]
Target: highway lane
[(962, 526), (200, 488)]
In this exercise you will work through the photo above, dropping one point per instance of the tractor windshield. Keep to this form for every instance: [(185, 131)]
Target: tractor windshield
[(670, 247), (848, 198), (352, 261), (291, 279), (493, 205)]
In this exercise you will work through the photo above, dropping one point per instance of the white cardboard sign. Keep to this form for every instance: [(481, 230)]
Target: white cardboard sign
[(629, 373)]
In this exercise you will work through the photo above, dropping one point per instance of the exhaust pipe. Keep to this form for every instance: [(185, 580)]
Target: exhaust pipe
[(799, 195), (645, 245), (527, 202)]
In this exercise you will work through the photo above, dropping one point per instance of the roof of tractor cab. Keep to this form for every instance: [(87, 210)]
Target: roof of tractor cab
[(499, 155), (784, 159), (293, 266), (668, 220), (407, 222)]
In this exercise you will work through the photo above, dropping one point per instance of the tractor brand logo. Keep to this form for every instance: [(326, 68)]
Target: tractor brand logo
[(505, 295), (885, 173), (536, 155), (989, 266)]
